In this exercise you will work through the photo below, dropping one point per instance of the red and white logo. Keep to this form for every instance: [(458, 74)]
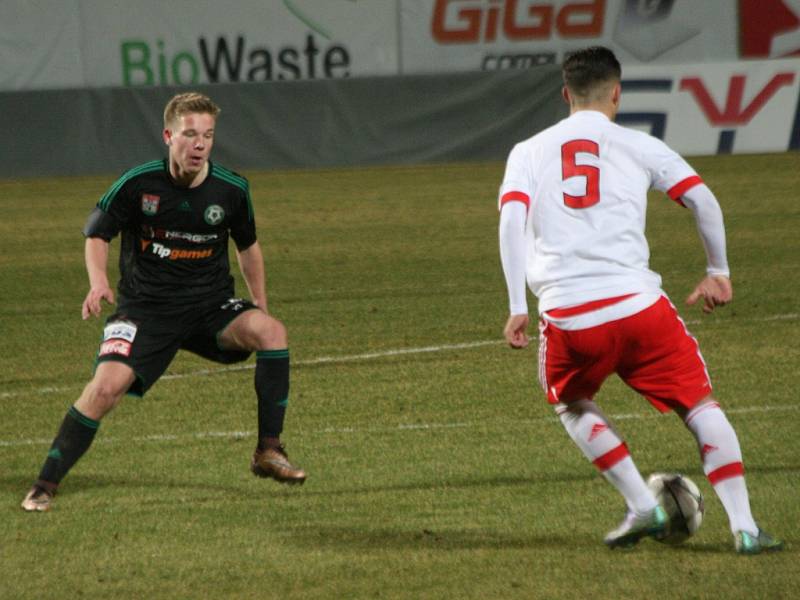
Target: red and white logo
[(150, 204), (115, 347), (474, 21), (597, 429), (707, 449), (733, 113), (769, 28)]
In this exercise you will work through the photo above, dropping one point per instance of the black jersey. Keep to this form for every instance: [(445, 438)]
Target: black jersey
[(175, 239)]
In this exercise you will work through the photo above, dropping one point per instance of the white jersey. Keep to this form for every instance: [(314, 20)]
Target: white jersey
[(585, 182)]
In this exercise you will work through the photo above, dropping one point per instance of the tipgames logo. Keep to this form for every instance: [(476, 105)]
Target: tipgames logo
[(214, 214)]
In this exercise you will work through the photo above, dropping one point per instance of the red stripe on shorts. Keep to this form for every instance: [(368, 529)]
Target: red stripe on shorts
[(726, 472), (612, 457), (515, 196), (586, 307)]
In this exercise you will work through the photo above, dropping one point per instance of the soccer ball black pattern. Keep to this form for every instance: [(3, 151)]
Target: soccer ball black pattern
[(681, 499)]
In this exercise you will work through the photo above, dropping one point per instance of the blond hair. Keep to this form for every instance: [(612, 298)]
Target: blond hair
[(189, 102)]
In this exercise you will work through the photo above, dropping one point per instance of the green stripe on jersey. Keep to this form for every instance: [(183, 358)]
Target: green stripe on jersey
[(108, 198), (237, 180), (228, 175)]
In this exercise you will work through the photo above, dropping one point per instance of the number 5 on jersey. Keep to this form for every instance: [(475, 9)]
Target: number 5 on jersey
[(570, 169)]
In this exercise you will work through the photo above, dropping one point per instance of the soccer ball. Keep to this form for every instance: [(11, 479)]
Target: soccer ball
[(681, 499)]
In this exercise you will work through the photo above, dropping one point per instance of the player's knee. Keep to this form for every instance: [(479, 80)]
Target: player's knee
[(686, 413), (267, 334), (274, 335), (103, 394), (575, 407)]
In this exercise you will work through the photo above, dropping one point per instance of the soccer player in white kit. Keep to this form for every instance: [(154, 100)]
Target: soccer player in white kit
[(572, 218)]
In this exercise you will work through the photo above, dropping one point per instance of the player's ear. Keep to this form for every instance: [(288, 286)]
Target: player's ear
[(167, 135), (565, 94), (616, 93)]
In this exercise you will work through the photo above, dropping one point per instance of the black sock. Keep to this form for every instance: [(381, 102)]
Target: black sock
[(73, 439), (272, 388)]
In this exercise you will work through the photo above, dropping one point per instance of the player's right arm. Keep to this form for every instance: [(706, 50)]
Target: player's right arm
[(514, 202), (101, 227), (96, 254)]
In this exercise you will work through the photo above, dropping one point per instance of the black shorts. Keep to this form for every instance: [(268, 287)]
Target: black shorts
[(146, 337)]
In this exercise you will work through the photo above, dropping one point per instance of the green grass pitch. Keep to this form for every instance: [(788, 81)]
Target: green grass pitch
[(436, 468)]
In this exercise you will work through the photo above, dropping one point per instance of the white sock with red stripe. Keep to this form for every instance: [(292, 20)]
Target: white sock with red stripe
[(590, 430), (722, 463)]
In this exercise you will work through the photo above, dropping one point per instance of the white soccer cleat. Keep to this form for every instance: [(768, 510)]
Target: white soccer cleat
[(633, 528), (38, 499)]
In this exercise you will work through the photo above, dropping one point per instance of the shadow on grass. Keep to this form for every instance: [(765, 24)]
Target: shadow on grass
[(19, 484), (322, 486), (338, 538), (83, 483), (376, 539), (455, 483), (476, 482)]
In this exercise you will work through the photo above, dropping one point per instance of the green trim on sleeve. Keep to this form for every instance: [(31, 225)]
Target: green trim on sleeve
[(108, 197)]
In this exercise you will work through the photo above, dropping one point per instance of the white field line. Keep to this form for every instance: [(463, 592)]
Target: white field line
[(349, 358), (786, 317), (295, 363), (399, 428)]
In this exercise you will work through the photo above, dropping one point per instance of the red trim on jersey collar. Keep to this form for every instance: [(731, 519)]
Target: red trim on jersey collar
[(515, 196), (680, 188)]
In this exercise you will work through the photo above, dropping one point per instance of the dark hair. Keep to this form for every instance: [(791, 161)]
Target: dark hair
[(584, 69)]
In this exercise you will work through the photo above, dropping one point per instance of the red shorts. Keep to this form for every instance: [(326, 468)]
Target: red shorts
[(651, 351)]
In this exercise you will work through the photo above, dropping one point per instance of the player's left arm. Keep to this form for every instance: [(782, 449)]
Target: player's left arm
[(251, 264), (674, 176), (248, 250), (715, 288)]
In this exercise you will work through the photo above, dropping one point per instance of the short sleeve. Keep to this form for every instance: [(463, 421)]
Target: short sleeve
[(243, 221), (669, 171), (113, 210), (516, 184)]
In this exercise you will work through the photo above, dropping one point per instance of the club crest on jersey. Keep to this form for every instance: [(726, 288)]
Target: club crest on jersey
[(150, 204), (214, 214)]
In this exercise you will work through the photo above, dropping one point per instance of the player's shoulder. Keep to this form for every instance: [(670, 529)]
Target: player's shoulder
[(227, 176), (542, 137), (525, 149), (546, 139), (142, 170), (153, 166), (131, 180), (635, 137)]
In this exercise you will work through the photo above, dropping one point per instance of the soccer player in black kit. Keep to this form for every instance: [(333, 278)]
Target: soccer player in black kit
[(176, 292)]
